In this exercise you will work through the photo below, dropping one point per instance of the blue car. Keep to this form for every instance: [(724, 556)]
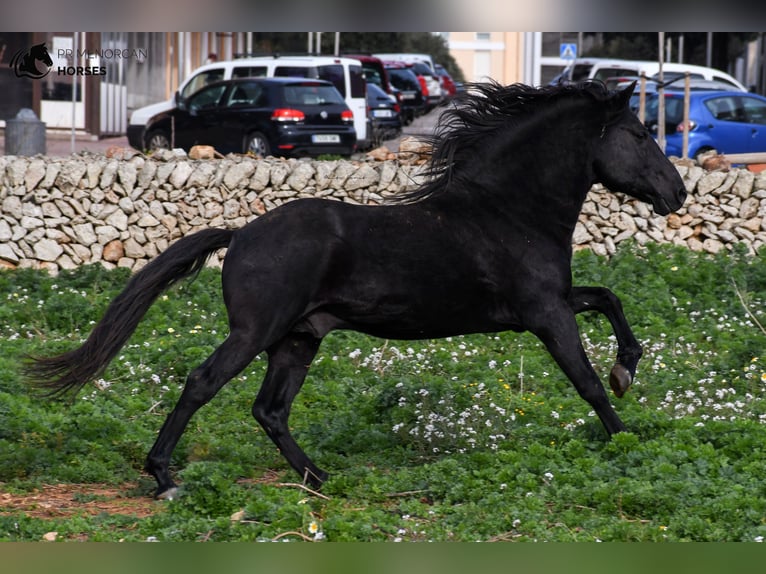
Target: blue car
[(725, 121)]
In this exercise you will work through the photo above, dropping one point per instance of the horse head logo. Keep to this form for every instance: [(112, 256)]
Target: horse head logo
[(25, 62)]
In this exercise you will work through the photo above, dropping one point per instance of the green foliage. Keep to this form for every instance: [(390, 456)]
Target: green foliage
[(470, 438)]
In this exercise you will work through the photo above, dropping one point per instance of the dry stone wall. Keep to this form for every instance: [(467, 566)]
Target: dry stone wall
[(59, 213)]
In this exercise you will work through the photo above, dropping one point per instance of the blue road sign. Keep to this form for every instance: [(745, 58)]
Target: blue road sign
[(568, 51)]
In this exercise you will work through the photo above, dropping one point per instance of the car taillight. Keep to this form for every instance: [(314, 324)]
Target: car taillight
[(680, 127), (347, 116), (397, 108), (423, 85), (287, 115)]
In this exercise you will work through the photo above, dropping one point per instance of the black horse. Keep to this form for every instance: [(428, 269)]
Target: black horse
[(483, 246)]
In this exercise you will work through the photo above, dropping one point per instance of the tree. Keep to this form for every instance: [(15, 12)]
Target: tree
[(644, 46)]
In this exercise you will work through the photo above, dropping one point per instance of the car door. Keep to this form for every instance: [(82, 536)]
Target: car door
[(755, 115), (244, 109), (198, 123)]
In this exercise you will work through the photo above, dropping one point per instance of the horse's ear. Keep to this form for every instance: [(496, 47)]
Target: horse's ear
[(625, 93)]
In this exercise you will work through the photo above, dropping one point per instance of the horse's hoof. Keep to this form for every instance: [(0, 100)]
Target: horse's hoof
[(620, 379), (315, 479), (169, 494)]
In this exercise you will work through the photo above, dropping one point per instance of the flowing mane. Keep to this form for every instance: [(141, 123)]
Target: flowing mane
[(482, 111)]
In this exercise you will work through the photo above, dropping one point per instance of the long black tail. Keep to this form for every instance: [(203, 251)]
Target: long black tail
[(71, 370)]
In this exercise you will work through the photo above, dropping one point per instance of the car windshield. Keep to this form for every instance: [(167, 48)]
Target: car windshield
[(311, 95), (422, 69), (403, 79)]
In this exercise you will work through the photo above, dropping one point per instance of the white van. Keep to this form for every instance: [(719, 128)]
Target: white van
[(345, 73), (603, 69)]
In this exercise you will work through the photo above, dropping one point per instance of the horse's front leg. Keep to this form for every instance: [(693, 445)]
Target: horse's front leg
[(629, 351), (558, 330)]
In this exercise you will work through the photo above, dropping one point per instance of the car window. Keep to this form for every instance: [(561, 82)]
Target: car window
[(333, 73), (358, 85), (201, 80), (726, 108), (372, 76), (421, 69), (674, 109), (725, 81), (249, 72), (581, 72), (295, 72), (245, 94), (755, 110), (403, 79), (311, 95), (206, 98), (605, 73)]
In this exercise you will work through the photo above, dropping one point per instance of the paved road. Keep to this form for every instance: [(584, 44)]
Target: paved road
[(422, 126), (60, 144)]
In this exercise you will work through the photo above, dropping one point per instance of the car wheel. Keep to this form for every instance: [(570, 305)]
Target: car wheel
[(257, 144), (157, 140)]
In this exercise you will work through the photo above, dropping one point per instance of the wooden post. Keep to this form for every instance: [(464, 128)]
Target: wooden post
[(661, 98), (746, 158), (687, 96)]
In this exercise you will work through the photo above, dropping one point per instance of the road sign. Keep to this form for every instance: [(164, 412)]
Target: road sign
[(568, 51)]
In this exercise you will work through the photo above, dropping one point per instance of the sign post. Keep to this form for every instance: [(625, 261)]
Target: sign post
[(568, 52)]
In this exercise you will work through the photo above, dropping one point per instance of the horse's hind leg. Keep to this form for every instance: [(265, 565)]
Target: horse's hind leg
[(234, 354), (629, 351), (561, 337), (289, 361)]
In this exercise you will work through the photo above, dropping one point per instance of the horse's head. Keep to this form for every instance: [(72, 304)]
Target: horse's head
[(628, 159), (40, 52)]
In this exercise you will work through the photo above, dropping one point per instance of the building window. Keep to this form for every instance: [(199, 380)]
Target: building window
[(482, 66), (482, 36)]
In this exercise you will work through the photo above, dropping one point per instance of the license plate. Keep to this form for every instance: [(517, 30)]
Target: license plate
[(382, 113), (408, 96), (325, 138)]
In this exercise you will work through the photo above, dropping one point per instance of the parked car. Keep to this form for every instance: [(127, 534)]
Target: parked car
[(652, 85), (432, 90), (424, 68), (265, 116), (374, 70), (602, 69), (384, 114), (402, 78), (345, 73), (725, 121), (449, 88)]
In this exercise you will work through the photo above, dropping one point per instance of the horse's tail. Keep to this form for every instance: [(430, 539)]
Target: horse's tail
[(71, 370)]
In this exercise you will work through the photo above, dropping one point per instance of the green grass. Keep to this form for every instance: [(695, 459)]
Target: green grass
[(470, 438)]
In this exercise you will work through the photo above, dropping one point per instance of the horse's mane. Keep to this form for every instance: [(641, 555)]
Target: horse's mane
[(480, 111)]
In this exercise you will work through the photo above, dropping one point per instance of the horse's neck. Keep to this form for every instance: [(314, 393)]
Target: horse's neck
[(542, 184)]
